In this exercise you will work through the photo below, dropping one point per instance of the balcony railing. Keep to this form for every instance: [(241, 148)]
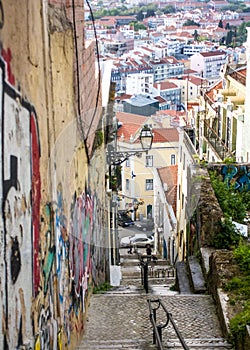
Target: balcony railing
[(213, 138), (189, 145), (236, 75)]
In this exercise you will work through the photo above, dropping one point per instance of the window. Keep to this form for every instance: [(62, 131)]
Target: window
[(149, 184), (172, 159), (149, 160), (127, 163), (127, 184)]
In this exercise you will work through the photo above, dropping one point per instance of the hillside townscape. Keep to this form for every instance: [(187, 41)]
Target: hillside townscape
[(125, 175)]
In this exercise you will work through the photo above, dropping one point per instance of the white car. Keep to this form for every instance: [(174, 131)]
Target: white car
[(138, 240)]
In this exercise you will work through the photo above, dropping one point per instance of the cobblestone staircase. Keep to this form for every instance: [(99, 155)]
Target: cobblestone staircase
[(119, 318)]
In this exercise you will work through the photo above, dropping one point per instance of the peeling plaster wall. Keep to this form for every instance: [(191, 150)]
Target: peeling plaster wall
[(53, 232)]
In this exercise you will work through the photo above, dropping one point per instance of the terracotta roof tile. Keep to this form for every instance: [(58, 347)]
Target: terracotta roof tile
[(211, 94), (169, 176), (165, 85), (160, 99), (165, 135), (213, 53), (131, 124)]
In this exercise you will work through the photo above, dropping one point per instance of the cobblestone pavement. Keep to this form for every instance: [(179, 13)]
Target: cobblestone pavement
[(119, 319)]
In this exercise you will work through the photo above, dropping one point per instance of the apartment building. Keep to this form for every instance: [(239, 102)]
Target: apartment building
[(223, 118), (166, 68), (190, 86), (209, 64), (170, 92), (140, 181), (139, 83), (129, 66), (190, 50)]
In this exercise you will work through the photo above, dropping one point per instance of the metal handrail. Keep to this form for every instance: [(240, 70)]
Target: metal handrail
[(144, 274), (157, 329)]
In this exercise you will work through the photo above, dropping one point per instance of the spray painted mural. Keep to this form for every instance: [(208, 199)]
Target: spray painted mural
[(238, 176), (20, 187)]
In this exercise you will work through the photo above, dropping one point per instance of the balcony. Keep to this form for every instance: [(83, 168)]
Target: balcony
[(215, 141), (239, 77)]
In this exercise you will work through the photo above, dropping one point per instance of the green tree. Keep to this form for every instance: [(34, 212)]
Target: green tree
[(196, 35), (229, 38), (190, 22), (241, 33), (137, 26), (169, 9), (220, 25)]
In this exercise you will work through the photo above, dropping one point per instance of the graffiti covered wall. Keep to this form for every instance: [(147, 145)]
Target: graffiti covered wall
[(20, 187), (53, 247)]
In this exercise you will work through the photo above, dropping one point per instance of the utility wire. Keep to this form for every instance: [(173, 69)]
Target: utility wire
[(99, 68), (78, 76)]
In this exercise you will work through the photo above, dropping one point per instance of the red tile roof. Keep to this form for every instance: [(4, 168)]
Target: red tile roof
[(123, 97), (165, 85), (213, 53), (160, 99), (131, 124), (165, 135), (210, 94), (169, 176)]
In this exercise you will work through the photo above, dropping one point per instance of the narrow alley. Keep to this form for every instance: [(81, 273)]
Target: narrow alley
[(119, 318)]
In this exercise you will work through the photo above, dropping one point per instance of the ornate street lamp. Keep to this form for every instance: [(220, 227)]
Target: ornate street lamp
[(146, 139)]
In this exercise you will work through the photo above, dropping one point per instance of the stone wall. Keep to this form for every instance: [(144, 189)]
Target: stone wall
[(222, 269), (207, 213)]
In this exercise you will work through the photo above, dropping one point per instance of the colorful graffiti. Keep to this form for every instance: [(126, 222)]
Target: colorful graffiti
[(80, 244), (239, 176), (62, 262), (49, 336), (48, 259), (20, 178)]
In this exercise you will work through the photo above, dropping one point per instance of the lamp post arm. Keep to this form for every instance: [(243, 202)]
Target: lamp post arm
[(121, 157)]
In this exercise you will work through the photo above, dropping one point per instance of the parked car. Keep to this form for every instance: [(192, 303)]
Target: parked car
[(124, 219), (140, 240)]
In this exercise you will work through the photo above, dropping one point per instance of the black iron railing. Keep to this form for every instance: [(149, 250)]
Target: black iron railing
[(161, 272), (149, 269), (157, 328), (217, 143), (144, 274)]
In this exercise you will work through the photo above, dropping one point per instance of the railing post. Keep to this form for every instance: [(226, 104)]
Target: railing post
[(159, 329), (146, 277), (142, 273), (154, 336)]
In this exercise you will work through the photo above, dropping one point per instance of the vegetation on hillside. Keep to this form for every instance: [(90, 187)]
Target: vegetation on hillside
[(238, 289), (235, 205), (140, 12)]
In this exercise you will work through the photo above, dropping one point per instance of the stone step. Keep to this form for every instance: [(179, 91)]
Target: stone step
[(127, 344), (199, 344)]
